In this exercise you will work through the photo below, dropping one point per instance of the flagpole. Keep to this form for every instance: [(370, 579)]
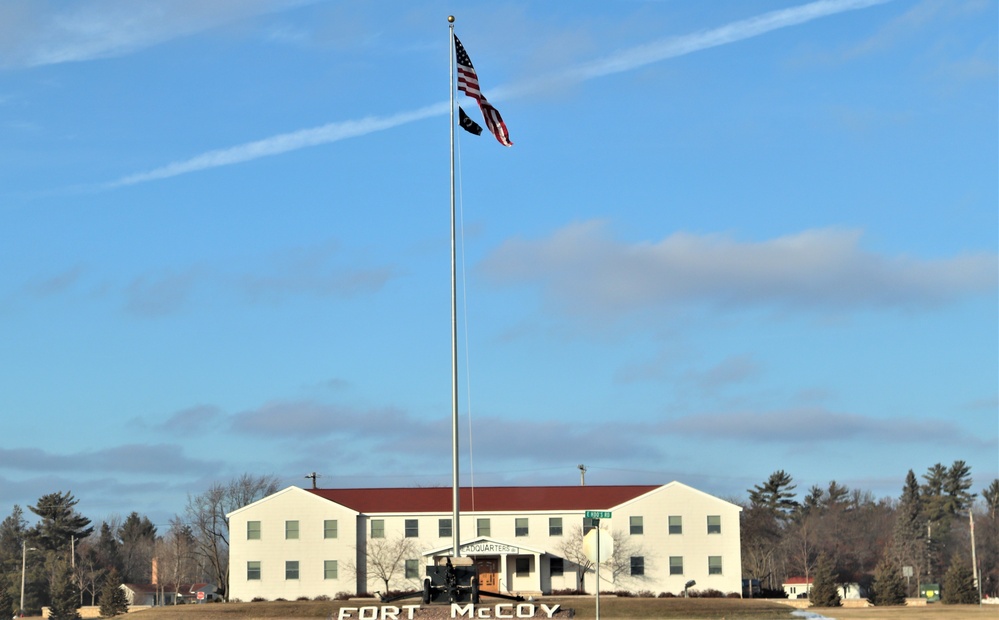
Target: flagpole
[(455, 494)]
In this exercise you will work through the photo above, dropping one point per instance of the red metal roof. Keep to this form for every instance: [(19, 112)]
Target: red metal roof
[(791, 581), (484, 499)]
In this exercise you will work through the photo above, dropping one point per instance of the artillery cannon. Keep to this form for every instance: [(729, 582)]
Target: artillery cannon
[(449, 582)]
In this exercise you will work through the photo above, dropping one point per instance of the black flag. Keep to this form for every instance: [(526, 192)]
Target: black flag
[(468, 124)]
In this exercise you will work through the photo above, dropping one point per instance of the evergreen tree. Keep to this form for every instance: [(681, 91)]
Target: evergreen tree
[(138, 538), (60, 523), (823, 592), (956, 485), (776, 494), (991, 497), (113, 599), (64, 594), (909, 534), (959, 583), (888, 587), (6, 603)]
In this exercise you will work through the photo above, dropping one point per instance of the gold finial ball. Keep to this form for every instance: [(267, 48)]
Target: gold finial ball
[(450, 19)]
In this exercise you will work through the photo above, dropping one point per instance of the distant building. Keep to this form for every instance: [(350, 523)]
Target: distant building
[(305, 543), (799, 587), (152, 595)]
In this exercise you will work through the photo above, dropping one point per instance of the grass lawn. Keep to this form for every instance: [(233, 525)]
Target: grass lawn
[(610, 609)]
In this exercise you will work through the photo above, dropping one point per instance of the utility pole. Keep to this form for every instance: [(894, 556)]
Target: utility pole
[(582, 475)]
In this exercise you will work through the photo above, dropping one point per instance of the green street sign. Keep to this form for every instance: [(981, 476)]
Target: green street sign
[(597, 514)]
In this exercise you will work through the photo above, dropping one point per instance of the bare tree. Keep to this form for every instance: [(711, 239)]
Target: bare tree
[(385, 557), (175, 553), (571, 549), (625, 547), (206, 515)]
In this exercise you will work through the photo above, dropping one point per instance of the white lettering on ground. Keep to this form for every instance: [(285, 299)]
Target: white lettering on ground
[(501, 611)]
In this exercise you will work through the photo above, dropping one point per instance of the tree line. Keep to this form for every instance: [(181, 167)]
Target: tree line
[(832, 533), (68, 561), (921, 537)]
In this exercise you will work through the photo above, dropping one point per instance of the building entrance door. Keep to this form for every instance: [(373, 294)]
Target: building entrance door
[(488, 569)]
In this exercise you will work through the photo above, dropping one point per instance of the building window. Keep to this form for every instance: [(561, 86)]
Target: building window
[(588, 524), (329, 528), (675, 524), (330, 569), (555, 526), (253, 530), (444, 528), (482, 527), (378, 528), (675, 565), (637, 526), (556, 567), (714, 524), (412, 569), (523, 567), (291, 530), (252, 571), (714, 565), (520, 527), (291, 569), (412, 528), (637, 565)]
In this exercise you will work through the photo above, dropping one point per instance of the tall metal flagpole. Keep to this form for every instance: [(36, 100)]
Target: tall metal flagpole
[(455, 494)]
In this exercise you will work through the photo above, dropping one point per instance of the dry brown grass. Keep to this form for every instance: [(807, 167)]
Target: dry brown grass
[(610, 609)]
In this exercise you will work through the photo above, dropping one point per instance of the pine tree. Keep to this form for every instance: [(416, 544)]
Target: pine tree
[(888, 587), (776, 494), (959, 583), (59, 523), (908, 543), (113, 599), (6, 603), (64, 594), (823, 592)]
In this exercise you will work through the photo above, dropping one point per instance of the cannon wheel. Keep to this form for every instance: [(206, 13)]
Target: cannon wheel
[(426, 591), (475, 590)]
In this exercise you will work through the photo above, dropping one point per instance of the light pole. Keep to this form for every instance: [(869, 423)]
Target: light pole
[(24, 556)]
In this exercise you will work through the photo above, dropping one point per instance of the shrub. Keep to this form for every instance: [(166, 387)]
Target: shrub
[(708, 593), (733, 595), (888, 587), (321, 597), (823, 592), (645, 594), (666, 595), (343, 596), (959, 584), (302, 598), (567, 592)]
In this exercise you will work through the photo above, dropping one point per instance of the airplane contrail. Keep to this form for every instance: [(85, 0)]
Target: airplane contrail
[(624, 60)]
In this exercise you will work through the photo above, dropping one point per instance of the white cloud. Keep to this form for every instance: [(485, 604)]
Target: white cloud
[(39, 32), (626, 60), (583, 270)]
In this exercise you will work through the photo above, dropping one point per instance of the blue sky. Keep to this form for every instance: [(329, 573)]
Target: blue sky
[(730, 238)]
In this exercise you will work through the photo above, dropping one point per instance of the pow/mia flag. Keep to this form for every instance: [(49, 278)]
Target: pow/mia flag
[(467, 123)]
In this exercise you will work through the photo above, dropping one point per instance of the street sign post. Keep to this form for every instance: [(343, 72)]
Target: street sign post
[(596, 515)]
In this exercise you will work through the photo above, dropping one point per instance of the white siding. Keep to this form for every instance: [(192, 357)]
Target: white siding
[(655, 545), (272, 550)]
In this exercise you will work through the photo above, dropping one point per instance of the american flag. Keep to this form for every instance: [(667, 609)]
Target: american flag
[(468, 83)]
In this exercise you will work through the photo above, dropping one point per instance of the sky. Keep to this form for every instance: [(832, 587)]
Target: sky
[(730, 238)]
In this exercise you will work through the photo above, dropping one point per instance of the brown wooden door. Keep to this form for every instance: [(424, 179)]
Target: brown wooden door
[(488, 569)]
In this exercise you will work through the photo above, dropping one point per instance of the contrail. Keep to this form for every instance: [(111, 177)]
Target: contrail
[(625, 60)]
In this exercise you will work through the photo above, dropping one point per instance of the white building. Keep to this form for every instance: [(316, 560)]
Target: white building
[(305, 543)]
